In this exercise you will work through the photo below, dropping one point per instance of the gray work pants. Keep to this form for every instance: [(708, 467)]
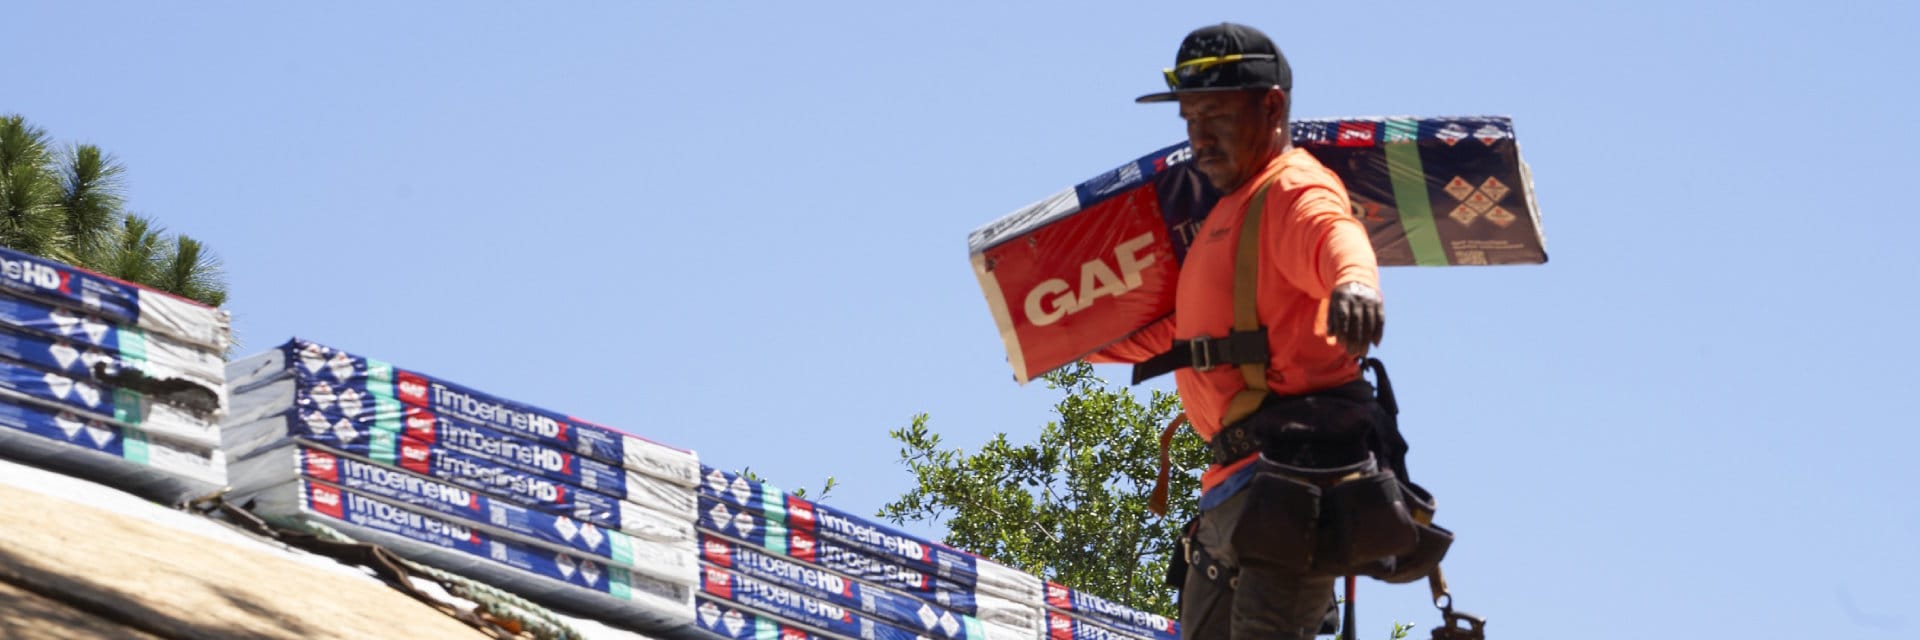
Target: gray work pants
[(1263, 605)]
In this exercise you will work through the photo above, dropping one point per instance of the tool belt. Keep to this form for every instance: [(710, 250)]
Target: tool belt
[(1333, 423), (1330, 497)]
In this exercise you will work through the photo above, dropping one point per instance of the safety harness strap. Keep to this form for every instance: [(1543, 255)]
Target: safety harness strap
[(1246, 327), (1246, 316), (1204, 353)]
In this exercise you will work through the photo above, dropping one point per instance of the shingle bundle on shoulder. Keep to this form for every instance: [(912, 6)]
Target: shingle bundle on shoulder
[(577, 516), (110, 381)]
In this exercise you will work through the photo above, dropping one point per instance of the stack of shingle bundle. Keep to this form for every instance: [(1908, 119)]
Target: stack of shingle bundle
[(1076, 615), (110, 381), (579, 517), (770, 561)]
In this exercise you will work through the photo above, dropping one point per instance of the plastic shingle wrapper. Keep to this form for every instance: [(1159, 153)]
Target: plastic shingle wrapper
[(110, 454), (498, 482), (726, 496), (387, 390), (74, 343), (120, 302), (565, 582)]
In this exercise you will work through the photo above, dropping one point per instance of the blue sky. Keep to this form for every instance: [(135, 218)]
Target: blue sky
[(740, 229)]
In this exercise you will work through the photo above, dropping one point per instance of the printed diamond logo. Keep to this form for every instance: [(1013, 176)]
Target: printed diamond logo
[(1501, 217), (94, 357), (313, 357), (721, 516), (734, 622), (1479, 202), (590, 572), (59, 385), (1494, 189), (316, 423), (342, 366), (591, 535), (63, 321), (564, 526), (63, 354), (322, 394), (351, 402), (741, 490), (927, 617), (345, 432), (68, 424), (1451, 133), (565, 563), (100, 436), (1489, 134), (744, 523), (1463, 215), (88, 394), (1458, 188), (716, 482), (95, 329), (709, 614), (948, 623)]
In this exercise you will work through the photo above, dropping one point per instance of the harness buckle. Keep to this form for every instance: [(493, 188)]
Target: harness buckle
[(1199, 349)]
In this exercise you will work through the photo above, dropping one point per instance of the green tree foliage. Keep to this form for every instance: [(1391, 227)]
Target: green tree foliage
[(68, 205), (1070, 505)]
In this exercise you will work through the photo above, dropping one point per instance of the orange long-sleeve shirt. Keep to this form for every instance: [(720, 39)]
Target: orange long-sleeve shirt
[(1310, 244)]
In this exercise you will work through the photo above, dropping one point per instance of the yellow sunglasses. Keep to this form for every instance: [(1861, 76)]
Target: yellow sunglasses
[(1186, 70)]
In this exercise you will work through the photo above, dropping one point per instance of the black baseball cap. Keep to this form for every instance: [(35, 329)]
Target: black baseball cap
[(1225, 57)]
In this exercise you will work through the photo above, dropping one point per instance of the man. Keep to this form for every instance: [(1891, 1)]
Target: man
[(1293, 382)]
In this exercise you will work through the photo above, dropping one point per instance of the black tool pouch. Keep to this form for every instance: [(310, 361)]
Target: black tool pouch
[(1363, 520), (1277, 530), (1433, 541)]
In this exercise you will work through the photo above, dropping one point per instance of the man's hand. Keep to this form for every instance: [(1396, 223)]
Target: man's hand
[(1355, 317)]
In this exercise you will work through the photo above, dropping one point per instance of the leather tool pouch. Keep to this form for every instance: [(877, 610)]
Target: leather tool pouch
[(1363, 520), (1426, 553), (1277, 530)]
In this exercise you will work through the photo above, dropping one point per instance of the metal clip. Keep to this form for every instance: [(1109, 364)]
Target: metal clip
[(1451, 622), (1198, 350)]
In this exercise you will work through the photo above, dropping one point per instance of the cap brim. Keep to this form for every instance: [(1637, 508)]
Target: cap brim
[(1170, 96)]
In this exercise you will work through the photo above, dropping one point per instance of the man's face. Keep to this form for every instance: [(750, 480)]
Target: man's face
[(1231, 133)]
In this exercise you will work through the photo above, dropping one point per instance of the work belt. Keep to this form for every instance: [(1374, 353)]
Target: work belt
[(1343, 413)]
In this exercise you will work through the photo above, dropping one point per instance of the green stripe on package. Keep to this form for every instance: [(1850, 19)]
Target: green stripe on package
[(619, 584), (133, 347), (621, 547), (379, 370), (383, 444), (128, 406), (1410, 195), (133, 445)]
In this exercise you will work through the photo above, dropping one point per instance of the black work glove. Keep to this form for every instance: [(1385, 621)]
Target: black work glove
[(1356, 317)]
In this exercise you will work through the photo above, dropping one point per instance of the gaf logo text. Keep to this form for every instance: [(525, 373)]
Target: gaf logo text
[(1055, 298), (325, 497)]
